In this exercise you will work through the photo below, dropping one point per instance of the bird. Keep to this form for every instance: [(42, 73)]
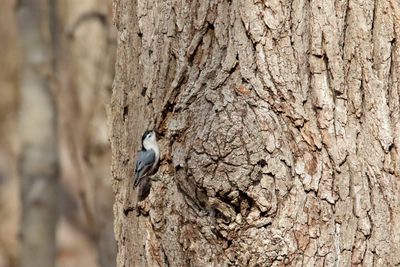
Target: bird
[(148, 157)]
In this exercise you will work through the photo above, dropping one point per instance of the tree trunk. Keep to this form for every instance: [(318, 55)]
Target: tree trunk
[(39, 163), (9, 193), (88, 59), (279, 127)]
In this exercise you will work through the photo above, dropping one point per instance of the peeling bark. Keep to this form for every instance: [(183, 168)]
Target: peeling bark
[(279, 126)]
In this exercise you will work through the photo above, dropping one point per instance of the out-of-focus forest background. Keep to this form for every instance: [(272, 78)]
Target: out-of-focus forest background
[(84, 46)]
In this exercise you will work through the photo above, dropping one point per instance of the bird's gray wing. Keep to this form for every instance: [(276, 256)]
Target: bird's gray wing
[(143, 165)]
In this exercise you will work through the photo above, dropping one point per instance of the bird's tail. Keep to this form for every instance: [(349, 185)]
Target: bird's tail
[(139, 179), (136, 180)]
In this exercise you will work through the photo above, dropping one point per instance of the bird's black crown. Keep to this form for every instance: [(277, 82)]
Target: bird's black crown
[(145, 134)]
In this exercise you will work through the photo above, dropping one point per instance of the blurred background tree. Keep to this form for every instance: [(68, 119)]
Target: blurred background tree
[(39, 158), (80, 44)]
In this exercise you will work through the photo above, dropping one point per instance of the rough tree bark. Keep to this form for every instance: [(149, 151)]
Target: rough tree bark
[(280, 132), (39, 165)]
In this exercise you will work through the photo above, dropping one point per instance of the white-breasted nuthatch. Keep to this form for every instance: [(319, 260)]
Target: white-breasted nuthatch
[(148, 157)]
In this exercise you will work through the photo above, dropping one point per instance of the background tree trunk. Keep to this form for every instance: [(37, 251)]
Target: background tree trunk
[(280, 132), (9, 194), (88, 55), (39, 166), (82, 67)]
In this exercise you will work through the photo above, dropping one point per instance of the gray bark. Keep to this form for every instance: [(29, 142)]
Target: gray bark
[(279, 125), (39, 163)]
